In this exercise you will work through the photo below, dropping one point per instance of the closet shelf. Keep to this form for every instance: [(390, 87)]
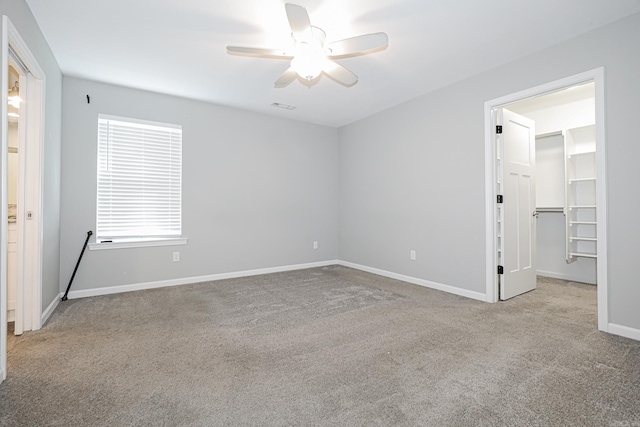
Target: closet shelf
[(586, 239), (583, 153), (580, 198), (572, 180)]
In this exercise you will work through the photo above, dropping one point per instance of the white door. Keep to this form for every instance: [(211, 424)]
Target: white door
[(517, 144)]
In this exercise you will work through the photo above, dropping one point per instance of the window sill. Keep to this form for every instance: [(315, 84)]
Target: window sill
[(123, 244)]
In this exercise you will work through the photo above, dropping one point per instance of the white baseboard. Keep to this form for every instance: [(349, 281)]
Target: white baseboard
[(564, 277), (624, 331), (83, 293), (50, 309), (420, 282)]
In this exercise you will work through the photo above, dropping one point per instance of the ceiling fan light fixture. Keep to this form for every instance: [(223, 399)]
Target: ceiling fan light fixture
[(308, 65)]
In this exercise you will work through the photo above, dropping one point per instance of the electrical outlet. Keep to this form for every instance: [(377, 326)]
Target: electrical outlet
[(176, 256), (315, 245), (412, 255)]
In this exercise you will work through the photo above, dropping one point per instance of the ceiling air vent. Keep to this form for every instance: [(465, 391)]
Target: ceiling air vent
[(285, 106)]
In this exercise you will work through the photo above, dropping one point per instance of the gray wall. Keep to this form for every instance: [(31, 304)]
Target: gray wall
[(412, 177), (21, 17), (257, 190), (411, 180)]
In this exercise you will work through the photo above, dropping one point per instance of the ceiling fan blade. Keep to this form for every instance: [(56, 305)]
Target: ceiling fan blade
[(338, 73), (299, 22), (286, 78), (359, 45), (256, 51)]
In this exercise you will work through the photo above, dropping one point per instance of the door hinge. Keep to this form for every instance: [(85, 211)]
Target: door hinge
[(500, 269), (500, 198), (498, 129)]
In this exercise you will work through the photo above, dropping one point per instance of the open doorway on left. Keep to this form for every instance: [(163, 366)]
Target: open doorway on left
[(29, 110)]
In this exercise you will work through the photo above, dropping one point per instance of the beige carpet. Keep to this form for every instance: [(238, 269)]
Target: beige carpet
[(325, 346)]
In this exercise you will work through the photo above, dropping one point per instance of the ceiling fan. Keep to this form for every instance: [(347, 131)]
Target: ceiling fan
[(310, 55)]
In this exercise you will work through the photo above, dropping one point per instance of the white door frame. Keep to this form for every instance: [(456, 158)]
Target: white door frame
[(20, 310), (32, 196), (597, 76)]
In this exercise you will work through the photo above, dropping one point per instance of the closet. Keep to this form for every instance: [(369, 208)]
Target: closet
[(565, 182)]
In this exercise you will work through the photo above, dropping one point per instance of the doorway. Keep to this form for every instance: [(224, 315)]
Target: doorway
[(596, 208), (28, 109), (15, 186), (565, 209)]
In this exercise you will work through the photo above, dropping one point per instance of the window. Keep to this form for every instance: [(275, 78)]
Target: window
[(139, 180)]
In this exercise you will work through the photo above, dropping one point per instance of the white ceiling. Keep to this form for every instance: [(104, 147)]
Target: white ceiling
[(178, 47)]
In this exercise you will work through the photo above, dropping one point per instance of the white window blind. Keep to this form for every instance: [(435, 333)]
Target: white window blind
[(139, 179)]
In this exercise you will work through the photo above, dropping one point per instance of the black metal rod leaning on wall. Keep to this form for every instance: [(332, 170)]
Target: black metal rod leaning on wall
[(64, 297)]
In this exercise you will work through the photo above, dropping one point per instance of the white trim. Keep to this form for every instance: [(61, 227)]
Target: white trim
[(83, 293), (490, 179), (4, 87), (36, 126), (602, 245), (149, 123), (563, 277), (50, 309), (624, 331), (420, 282), (597, 76), (138, 244)]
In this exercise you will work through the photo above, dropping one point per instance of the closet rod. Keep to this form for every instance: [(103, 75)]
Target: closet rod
[(544, 210), (14, 55)]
